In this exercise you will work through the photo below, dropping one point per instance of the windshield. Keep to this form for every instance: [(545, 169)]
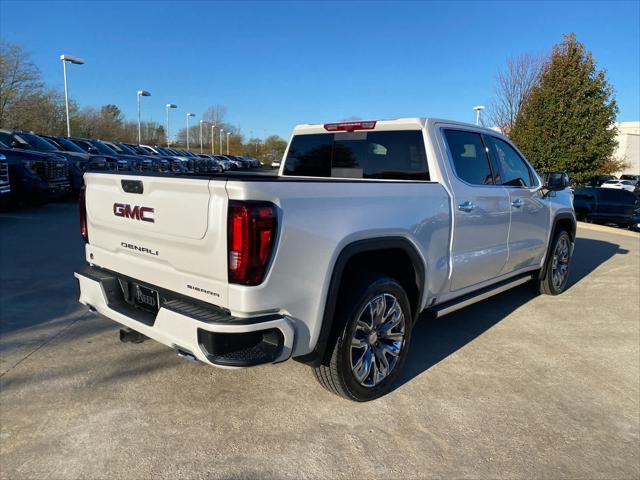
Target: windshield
[(398, 155), (102, 148), (124, 149), (36, 143), (69, 146)]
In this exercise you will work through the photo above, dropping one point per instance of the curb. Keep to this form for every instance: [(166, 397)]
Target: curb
[(605, 229)]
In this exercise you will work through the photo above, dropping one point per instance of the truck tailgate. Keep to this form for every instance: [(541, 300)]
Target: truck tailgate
[(172, 234)]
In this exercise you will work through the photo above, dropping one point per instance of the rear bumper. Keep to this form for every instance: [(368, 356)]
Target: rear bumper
[(211, 335)]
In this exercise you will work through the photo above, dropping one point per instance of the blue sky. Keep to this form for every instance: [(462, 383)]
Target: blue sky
[(275, 64)]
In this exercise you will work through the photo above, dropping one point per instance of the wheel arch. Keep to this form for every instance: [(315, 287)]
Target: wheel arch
[(562, 221), (399, 254)]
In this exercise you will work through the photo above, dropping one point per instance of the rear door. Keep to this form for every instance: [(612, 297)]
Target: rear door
[(481, 211), (170, 232), (615, 205), (529, 209)]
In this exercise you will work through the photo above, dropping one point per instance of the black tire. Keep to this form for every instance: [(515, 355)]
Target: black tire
[(337, 374), (549, 285)]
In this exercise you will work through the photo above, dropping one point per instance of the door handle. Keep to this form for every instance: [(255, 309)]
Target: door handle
[(466, 206), (517, 203)]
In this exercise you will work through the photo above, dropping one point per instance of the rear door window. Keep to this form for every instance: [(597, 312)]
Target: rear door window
[(393, 155), (611, 195), (585, 194), (469, 157), (628, 198)]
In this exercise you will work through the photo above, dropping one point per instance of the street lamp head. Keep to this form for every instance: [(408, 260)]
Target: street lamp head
[(191, 114), (71, 59), (478, 108), (172, 105), (143, 93)]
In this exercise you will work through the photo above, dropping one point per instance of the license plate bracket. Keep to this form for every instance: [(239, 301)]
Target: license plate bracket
[(145, 298)]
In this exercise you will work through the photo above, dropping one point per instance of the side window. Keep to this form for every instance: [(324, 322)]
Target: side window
[(512, 171), (584, 193), (469, 157), (6, 138), (609, 195), (628, 198)]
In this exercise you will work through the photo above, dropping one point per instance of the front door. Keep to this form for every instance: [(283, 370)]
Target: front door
[(529, 209), (481, 211)]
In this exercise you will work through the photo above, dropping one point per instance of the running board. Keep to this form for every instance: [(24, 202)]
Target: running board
[(479, 295)]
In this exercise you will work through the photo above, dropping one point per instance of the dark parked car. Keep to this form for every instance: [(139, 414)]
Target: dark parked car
[(79, 162), (36, 177), (98, 161), (604, 205), (134, 162)]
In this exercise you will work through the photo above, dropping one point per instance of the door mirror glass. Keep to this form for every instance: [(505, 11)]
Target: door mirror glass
[(556, 181)]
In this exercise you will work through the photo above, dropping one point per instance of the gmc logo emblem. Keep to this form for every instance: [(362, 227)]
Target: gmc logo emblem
[(144, 214)]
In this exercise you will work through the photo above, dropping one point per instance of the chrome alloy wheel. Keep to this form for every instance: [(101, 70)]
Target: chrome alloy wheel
[(377, 340), (560, 263)]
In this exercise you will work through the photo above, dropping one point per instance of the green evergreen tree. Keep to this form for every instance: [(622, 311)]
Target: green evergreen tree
[(567, 122)]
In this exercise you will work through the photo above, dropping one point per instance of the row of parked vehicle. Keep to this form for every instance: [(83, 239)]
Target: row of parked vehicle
[(35, 168), (630, 183)]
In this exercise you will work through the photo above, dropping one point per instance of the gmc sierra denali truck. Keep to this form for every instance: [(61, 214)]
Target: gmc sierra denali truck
[(331, 261)]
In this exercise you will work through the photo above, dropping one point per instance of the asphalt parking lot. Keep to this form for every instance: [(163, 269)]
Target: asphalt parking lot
[(518, 386)]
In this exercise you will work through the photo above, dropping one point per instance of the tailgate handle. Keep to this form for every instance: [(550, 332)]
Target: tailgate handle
[(132, 186)]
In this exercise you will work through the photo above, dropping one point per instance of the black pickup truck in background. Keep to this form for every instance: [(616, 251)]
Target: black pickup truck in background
[(605, 205), (36, 177)]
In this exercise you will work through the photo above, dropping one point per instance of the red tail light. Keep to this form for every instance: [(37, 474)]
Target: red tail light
[(349, 126), (83, 216), (251, 232)]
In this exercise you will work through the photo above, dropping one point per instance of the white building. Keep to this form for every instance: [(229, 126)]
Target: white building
[(629, 146)]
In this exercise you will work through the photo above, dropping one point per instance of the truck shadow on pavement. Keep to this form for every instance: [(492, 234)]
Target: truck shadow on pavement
[(433, 340)]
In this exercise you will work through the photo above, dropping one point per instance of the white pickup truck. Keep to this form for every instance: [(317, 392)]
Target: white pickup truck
[(332, 260)]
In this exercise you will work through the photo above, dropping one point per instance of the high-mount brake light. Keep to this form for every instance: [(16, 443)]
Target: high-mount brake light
[(83, 216), (349, 126), (251, 232)]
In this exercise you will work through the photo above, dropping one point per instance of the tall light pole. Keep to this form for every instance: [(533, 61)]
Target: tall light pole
[(221, 130), (201, 122), (141, 93), (213, 126), (169, 105), (75, 61), (478, 109), (189, 115), (228, 133)]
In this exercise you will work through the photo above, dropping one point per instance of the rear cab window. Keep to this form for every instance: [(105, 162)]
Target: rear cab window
[(388, 155)]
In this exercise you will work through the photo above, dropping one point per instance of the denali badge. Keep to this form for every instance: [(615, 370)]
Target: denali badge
[(136, 213), (139, 249)]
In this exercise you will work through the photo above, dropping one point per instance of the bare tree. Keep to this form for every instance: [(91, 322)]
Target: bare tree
[(215, 114), (513, 86), (19, 79)]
